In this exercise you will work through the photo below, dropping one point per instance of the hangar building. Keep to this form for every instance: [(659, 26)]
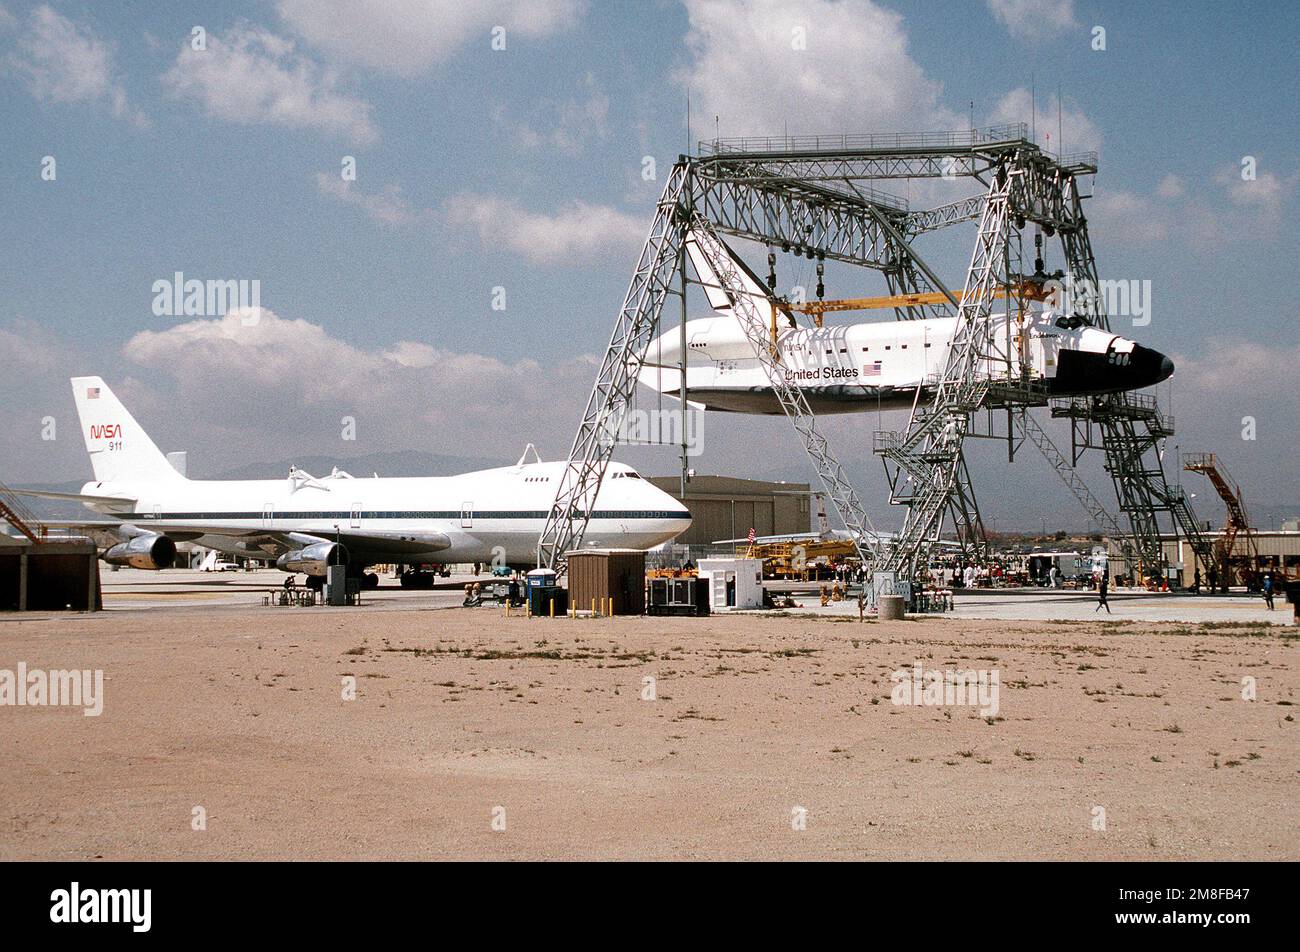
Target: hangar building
[(727, 507)]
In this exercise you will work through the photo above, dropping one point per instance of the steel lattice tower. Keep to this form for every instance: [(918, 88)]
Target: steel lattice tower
[(817, 196)]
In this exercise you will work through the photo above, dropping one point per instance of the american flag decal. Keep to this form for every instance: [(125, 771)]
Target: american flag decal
[(92, 393), (872, 369)]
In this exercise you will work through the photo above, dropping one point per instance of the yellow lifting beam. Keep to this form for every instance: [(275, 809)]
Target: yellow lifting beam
[(1031, 290)]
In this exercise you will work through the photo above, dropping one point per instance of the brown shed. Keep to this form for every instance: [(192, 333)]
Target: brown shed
[(607, 573)]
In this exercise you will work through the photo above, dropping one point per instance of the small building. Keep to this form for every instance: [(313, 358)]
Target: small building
[(727, 507), (733, 583), (614, 578), (1279, 551)]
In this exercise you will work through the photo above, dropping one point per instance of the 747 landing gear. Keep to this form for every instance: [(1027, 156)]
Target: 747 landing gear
[(367, 581)]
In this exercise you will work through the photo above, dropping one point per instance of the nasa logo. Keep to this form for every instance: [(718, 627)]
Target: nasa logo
[(107, 431)]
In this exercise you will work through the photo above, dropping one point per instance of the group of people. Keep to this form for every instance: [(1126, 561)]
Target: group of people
[(1267, 582)]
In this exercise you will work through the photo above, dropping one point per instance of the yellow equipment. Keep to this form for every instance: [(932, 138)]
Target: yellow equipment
[(1029, 289), (790, 559)]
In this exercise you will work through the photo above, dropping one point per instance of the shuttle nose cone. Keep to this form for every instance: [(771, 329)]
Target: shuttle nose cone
[(1149, 367)]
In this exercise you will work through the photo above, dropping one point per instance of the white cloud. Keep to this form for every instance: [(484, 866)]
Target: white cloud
[(1129, 217), (387, 207), (568, 236), (1171, 186), (1221, 209), (409, 37), (1262, 199), (1081, 134), (855, 74), (253, 76), (282, 385), (63, 62), (1233, 378), (1250, 367), (570, 126), (1034, 20), (27, 346)]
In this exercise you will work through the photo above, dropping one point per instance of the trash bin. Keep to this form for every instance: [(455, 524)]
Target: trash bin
[(891, 607), (541, 597), (540, 578)]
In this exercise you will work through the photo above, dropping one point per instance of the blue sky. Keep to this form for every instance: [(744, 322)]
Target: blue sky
[(521, 168)]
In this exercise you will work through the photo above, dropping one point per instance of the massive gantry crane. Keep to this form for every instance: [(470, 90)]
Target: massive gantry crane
[(814, 196)]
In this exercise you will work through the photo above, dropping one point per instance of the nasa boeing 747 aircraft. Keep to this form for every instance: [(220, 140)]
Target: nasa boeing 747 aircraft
[(306, 524), (881, 364)]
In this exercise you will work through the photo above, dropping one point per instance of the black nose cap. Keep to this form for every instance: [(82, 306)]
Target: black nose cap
[(1149, 366)]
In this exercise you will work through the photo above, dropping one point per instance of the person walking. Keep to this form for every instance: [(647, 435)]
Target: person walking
[(1268, 590), (1102, 587)]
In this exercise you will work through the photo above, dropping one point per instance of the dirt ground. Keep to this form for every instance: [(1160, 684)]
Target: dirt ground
[(767, 737)]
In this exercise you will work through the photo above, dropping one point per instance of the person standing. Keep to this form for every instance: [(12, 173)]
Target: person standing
[(1102, 587), (1268, 590)]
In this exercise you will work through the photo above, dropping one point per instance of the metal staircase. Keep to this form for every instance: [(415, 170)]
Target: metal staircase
[(1028, 428), (1237, 523), (1132, 431), (930, 454), (19, 516)]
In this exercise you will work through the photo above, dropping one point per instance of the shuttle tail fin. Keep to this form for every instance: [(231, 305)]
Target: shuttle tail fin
[(718, 298), (119, 448)]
